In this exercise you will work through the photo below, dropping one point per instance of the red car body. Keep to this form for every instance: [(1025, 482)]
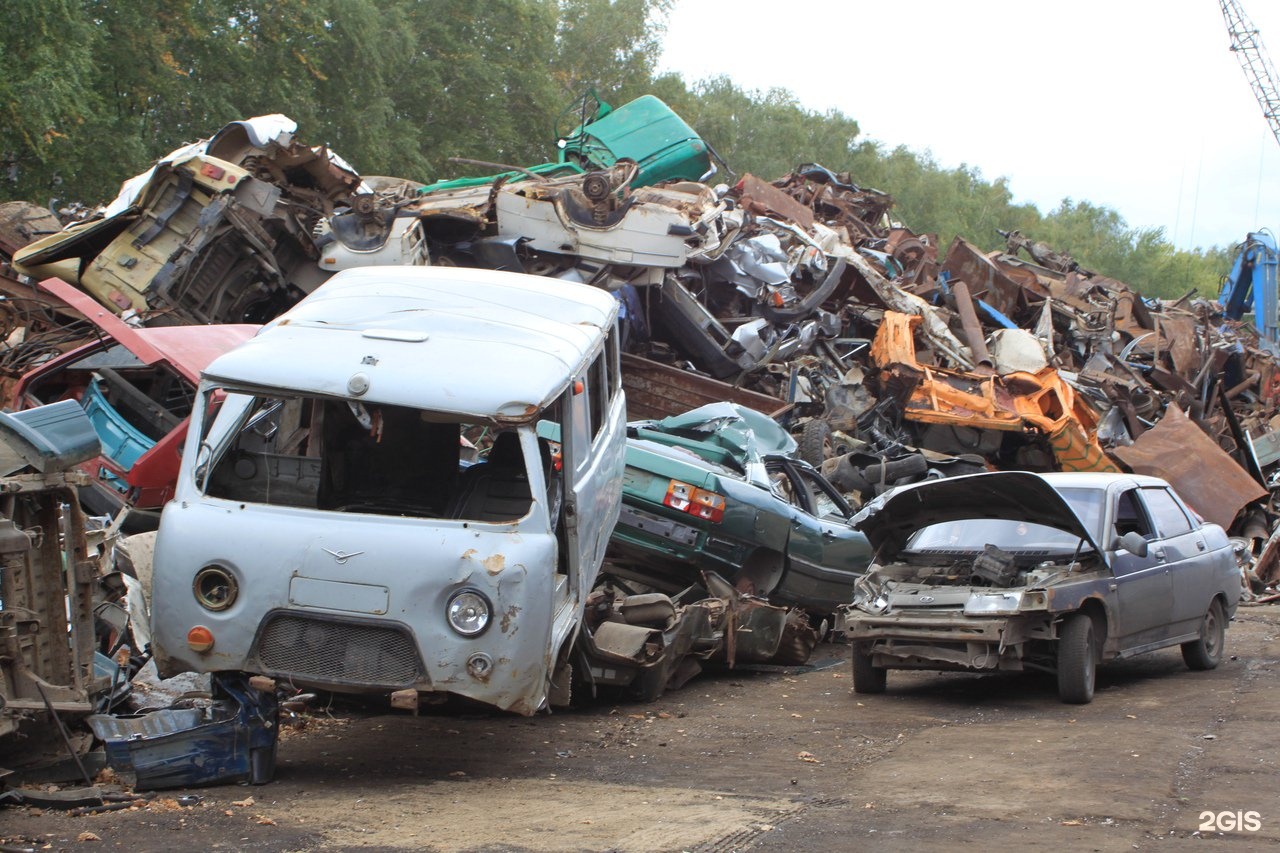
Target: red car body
[(138, 385)]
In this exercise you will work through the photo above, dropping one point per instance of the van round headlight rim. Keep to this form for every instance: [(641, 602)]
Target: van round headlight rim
[(469, 612), (215, 588)]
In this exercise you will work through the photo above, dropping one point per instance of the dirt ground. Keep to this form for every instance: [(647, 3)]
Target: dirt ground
[(768, 760)]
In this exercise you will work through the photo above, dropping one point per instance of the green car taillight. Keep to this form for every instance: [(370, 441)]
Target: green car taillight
[(695, 501)]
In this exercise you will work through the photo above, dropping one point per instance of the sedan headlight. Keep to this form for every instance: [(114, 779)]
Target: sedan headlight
[(993, 604), (468, 612)]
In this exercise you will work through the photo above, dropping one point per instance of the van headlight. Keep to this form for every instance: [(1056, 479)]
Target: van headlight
[(215, 588), (468, 612)]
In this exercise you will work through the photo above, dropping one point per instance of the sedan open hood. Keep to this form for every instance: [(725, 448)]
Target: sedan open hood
[(889, 520)]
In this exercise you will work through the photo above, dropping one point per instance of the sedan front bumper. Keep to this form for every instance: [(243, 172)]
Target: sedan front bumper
[(944, 640)]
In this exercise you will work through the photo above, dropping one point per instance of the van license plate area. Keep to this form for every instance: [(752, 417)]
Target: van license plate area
[(338, 595)]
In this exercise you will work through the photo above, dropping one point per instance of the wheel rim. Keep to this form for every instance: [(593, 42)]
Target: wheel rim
[(1090, 661), (1212, 635)]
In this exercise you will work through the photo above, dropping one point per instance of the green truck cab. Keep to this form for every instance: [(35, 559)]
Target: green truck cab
[(645, 130)]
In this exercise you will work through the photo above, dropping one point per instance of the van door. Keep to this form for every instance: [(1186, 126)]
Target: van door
[(576, 430)]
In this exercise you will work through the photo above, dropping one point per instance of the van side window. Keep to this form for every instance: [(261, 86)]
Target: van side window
[(598, 392), (613, 362)]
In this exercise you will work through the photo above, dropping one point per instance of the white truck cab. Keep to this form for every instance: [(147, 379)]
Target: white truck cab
[(365, 504)]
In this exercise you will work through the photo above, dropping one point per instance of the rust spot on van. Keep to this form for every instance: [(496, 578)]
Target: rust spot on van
[(494, 564)]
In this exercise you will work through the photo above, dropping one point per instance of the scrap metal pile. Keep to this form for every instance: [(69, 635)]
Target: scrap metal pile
[(800, 296)]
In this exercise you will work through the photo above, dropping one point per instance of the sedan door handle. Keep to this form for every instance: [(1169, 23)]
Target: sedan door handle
[(828, 533), (1200, 544), (1159, 552)]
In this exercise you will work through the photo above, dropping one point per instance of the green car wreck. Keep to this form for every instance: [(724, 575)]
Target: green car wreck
[(719, 489), (646, 131)]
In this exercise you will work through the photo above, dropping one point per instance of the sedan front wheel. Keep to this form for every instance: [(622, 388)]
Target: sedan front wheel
[(867, 678), (1077, 660)]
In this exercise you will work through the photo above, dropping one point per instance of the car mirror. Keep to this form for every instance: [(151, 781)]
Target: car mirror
[(1134, 543)]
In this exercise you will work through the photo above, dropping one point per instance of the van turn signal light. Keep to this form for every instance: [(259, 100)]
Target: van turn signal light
[(200, 639)]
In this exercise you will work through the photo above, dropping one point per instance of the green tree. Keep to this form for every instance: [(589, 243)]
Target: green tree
[(48, 93)]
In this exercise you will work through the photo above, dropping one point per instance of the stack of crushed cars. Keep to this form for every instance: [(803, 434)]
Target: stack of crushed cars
[(802, 297)]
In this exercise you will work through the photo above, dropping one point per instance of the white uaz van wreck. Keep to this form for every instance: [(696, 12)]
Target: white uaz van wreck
[(365, 504)]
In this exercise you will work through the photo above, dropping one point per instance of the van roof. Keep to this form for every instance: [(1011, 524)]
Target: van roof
[(472, 342)]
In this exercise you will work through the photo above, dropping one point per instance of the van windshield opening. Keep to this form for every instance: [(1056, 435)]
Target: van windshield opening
[(364, 457)]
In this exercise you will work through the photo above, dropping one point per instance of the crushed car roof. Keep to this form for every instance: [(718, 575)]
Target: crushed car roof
[(723, 433), (188, 349), (476, 342), (889, 520)]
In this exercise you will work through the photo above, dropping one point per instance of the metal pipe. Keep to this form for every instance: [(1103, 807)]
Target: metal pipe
[(972, 328), (1250, 378)]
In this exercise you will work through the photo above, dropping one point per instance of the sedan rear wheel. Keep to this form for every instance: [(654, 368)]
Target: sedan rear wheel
[(1206, 651), (1077, 660), (867, 678)]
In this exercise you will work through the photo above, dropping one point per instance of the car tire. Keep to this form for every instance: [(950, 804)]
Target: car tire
[(815, 442), (1077, 660), (867, 678), (1205, 652)]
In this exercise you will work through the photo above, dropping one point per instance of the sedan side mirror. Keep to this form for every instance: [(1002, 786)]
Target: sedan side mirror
[(1134, 543)]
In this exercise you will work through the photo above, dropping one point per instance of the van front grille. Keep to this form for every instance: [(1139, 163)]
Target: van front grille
[(338, 652)]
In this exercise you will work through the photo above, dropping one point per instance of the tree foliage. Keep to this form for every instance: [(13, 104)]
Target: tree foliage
[(94, 90)]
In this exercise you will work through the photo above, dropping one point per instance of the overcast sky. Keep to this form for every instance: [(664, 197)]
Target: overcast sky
[(1133, 104)]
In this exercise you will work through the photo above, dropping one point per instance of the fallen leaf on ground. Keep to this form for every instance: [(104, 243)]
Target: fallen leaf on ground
[(265, 821), (87, 836), (807, 756), (244, 804)]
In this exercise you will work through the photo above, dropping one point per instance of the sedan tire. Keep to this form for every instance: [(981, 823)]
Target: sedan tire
[(867, 678), (1206, 651), (1077, 660)]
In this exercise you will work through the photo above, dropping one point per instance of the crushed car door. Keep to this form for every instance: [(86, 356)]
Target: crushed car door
[(822, 550), (1144, 591)]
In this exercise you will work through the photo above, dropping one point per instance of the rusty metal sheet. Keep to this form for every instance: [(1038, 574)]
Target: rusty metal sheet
[(657, 391), (1178, 339), (986, 280), (764, 198), (1207, 478)]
